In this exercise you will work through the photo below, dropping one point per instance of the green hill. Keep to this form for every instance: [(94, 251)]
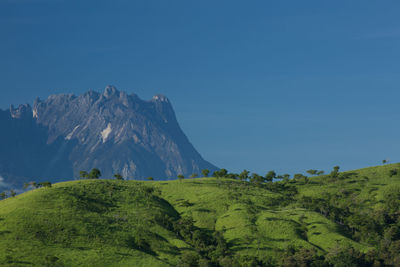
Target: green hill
[(350, 217)]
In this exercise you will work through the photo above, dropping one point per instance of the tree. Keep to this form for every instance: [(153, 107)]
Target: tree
[(255, 178), (83, 174), (346, 256), (94, 174), (220, 173), (223, 172), (336, 168), (181, 177), (244, 175), (286, 177), (150, 178), (3, 195), (312, 172), (194, 175), (188, 258), (232, 175), (392, 199), (205, 172), (269, 177), (335, 172), (13, 193), (384, 161), (393, 172), (34, 184), (320, 172), (118, 176), (221, 244), (248, 239), (302, 257), (51, 260), (300, 177), (45, 184)]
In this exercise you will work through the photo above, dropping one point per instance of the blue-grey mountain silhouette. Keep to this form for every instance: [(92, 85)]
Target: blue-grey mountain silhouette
[(113, 131)]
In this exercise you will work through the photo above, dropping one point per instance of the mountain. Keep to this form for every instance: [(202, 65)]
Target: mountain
[(113, 131)]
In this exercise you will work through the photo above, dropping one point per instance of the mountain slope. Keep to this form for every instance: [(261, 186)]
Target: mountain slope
[(112, 131), (125, 223), (25, 154)]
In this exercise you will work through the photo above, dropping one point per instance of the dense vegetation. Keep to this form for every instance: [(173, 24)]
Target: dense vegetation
[(337, 219)]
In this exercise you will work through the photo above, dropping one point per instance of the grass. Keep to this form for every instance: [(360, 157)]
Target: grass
[(86, 223), (116, 223)]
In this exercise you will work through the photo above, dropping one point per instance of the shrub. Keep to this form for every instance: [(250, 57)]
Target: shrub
[(118, 176), (44, 184), (393, 172), (205, 172)]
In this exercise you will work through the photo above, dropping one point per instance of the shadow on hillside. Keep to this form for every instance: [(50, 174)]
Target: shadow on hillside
[(160, 238), (283, 219), (318, 247), (174, 252), (82, 248), (140, 245), (372, 190), (93, 204), (276, 239), (202, 210), (20, 262), (4, 232), (234, 242), (239, 242), (123, 254), (340, 229), (171, 210), (185, 203), (253, 247), (317, 222)]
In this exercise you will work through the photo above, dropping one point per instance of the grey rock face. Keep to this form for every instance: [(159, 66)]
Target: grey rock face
[(113, 131)]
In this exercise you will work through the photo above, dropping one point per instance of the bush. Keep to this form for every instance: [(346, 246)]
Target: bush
[(44, 184), (302, 257), (393, 172), (189, 259), (118, 176), (221, 173), (347, 257)]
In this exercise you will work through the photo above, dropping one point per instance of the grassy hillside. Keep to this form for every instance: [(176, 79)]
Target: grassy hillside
[(202, 221)]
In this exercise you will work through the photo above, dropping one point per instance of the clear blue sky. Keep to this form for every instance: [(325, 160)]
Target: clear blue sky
[(284, 85)]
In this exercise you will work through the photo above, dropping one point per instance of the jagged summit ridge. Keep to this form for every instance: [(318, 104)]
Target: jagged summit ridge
[(116, 132), (99, 112)]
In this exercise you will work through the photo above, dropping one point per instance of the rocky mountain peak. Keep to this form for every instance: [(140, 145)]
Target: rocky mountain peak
[(22, 111), (160, 98), (110, 91), (113, 131)]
